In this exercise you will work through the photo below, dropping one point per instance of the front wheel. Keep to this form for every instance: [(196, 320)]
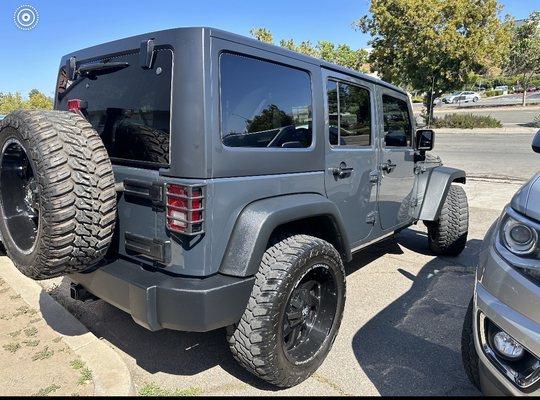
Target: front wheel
[(294, 312), (448, 235)]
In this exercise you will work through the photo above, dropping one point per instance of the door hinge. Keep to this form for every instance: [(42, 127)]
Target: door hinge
[(371, 217), (374, 176)]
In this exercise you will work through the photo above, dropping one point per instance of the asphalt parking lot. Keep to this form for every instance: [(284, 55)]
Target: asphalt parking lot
[(402, 324)]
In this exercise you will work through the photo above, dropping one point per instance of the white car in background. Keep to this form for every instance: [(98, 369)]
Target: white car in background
[(461, 97)]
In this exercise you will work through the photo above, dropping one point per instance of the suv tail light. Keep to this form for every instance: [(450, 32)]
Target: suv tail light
[(185, 209)]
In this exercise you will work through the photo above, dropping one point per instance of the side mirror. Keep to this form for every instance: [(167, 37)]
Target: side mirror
[(425, 139), (536, 142)]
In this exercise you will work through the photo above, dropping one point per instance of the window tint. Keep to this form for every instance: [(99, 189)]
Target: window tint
[(129, 108), (349, 114), (397, 122), (264, 104)]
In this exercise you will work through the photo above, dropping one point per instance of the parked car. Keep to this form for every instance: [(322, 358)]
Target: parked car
[(458, 97), (501, 333), (224, 189), (2, 117)]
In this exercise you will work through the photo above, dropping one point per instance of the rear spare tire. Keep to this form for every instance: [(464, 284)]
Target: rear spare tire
[(57, 194)]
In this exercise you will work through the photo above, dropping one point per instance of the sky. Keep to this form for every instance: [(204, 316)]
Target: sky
[(30, 58)]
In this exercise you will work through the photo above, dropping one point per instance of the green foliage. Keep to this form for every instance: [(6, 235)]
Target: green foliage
[(417, 99), (48, 390), (491, 93), (152, 389), (269, 118), (433, 44), (341, 54), (262, 34), (466, 121), (524, 57), (14, 101)]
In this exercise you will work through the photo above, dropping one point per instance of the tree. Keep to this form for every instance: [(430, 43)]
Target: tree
[(435, 46), (524, 57), (10, 102), (340, 54), (37, 100), (262, 34), (14, 101)]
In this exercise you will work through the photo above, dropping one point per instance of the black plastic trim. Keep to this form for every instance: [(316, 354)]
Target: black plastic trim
[(156, 300), (152, 248)]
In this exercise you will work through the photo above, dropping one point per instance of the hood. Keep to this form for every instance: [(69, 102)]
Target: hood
[(527, 199)]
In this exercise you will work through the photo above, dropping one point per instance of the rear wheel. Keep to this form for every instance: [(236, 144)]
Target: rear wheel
[(448, 234), (57, 195), (294, 312)]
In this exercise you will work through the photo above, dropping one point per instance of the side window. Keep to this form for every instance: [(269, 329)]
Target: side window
[(264, 104), (349, 113), (397, 122)]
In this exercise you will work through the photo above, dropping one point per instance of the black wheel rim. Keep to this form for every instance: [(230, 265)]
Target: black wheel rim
[(309, 314), (20, 196)]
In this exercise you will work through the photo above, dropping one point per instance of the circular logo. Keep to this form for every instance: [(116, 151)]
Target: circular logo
[(26, 17)]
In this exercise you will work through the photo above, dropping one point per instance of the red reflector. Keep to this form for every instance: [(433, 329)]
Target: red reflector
[(74, 105)]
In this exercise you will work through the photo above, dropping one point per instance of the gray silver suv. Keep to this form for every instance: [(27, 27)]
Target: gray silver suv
[(501, 333), (197, 180)]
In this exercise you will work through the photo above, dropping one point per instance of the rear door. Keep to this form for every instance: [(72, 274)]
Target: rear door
[(130, 107), (396, 160), (350, 152)]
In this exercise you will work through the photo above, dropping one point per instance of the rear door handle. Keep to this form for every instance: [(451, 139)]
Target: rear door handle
[(342, 171)]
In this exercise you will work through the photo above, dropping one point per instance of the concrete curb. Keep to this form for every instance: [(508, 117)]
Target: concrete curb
[(111, 375), (501, 131)]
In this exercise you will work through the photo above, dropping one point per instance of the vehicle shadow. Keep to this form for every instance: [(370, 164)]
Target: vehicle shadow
[(412, 347)]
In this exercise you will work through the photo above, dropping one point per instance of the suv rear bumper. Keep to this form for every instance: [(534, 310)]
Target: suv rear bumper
[(156, 300)]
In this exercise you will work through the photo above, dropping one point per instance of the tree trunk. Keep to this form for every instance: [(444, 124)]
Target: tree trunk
[(524, 97)]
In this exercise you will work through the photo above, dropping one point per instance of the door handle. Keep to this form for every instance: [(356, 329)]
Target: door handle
[(388, 166), (342, 171)]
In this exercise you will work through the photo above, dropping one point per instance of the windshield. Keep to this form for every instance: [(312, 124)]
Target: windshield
[(129, 107)]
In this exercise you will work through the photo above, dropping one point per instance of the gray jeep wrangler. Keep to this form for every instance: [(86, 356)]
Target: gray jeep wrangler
[(197, 180)]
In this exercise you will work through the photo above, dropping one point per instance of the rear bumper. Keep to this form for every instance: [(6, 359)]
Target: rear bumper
[(156, 300)]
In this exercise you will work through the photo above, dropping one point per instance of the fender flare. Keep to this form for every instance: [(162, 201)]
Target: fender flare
[(257, 221), (435, 188)]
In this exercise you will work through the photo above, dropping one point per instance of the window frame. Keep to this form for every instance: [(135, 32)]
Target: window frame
[(220, 105), (327, 113), (411, 124)]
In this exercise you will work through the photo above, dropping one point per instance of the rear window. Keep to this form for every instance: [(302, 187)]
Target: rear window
[(264, 104), (130, 108)]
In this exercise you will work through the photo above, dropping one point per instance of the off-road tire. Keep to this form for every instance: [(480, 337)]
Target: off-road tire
[(448, 235), (469, 356), (255, 341), (151, 144), (76, 192)]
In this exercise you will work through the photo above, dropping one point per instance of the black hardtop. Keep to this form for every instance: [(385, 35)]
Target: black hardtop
[(170, 37)]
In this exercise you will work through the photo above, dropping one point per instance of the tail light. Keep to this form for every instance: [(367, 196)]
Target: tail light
[(185, 209)]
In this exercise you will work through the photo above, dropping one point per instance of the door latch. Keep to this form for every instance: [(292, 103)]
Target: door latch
[(388, 166)]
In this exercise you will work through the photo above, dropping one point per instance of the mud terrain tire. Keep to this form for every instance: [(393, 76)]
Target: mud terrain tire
[(57, 193), (448, 235), (259, 340)]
